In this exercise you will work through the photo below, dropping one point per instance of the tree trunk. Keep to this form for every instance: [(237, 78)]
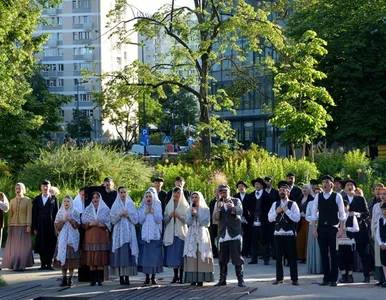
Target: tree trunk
[(293, 150), (312, 152), (206, 142), (304, 150)]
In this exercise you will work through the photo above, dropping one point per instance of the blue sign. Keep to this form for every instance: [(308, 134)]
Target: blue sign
[(145, 141), (190, 142), (145, 132), (166, 139)]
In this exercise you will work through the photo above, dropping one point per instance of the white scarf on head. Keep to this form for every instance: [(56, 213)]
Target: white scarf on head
[(78, 204), (151, 224), (124, 229), (101, 214), (175, 227), (68, 235), (198, 237)]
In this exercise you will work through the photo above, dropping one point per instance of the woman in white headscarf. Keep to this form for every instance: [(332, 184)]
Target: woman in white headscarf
[(198, 256), (124, 247), (4, 206), (150, 242), (18, 249), (96, 222), (67, 256), (175, 233)]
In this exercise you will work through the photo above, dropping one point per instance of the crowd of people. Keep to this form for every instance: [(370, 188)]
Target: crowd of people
[(101, 231)]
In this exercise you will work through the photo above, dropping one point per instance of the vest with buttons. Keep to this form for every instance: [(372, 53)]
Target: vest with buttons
[(328, 210), (283, 221), (382, 230)]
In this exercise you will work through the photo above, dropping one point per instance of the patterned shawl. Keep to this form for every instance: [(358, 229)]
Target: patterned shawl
[(68, 235), (101, 214), (124, 229), (175, 227), (198, 237), (151, 224)]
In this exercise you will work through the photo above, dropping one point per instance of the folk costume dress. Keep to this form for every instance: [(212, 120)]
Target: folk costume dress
[(314, 261), (67, 254), (198, 256), (150, 242), (175, 233), (124, 247), (377, 214), (96, 240)]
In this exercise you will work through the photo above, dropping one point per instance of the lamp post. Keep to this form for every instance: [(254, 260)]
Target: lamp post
[(77, 106), (143, 100)]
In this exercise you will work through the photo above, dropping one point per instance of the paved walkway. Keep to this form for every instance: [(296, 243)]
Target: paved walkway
[(35, 284)]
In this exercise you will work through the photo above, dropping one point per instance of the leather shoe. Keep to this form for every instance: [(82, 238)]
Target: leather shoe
[(325, 283), (333, 283), (367, 279), (379, 283), (383, 285), (295, 282), (252, 263), (276, 282)]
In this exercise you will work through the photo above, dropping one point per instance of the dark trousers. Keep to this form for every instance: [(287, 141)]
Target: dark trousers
[(213, 235), (246, 249), (46, 260), (363, 249), (230, 249), (327, 244), (286, 245), (257, 241), (346, 258)]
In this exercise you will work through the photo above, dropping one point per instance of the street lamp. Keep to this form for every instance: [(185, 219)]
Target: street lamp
[(77, 105), (143, 101)]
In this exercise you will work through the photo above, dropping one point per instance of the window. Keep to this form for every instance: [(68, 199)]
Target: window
[(53, 52), (81, 82), (85, 97), (80, 19), (81, 4), (86, 66), (81, 35), (60, 82), (60, 67), (51, 82), (88, 112)]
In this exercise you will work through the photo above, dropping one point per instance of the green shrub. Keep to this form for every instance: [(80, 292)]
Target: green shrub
[(356, 165), (329, 162), (85, 166)]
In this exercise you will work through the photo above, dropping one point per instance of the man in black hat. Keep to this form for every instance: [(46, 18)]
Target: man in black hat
[(285, 214), (109, 194), (243, 196), (258, 205), (296, 192), (228, 213), (328, 211), (158, 183), (44, 210), (339, 186), (358, 208), (179, 182)]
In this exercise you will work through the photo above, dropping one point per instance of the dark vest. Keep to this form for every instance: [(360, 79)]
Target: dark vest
[(283, 221), (230, 221), (1, 219), (382, 230), (350, 223), (328, 210)]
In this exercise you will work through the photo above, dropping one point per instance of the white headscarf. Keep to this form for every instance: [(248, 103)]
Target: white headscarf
[(101, 214), (175, 227), (151, 224), (79, 204), (198, 233), (22, 187), (68, 235), (124, 229), (4, 206)]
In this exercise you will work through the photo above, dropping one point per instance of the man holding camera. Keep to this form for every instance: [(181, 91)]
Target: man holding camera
[(228, 213)]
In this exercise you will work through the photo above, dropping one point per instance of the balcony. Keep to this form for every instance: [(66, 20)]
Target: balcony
[(88, 87), (87, 26), (51, 11), (88, 57), (52, 43)]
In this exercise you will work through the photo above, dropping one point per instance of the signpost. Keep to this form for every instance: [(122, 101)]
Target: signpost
[(145, 140), (166, 139)]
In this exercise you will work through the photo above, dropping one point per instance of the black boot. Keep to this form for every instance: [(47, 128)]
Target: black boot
[(181, 275), (64, 281), (175, 278), (344, 278), (127, 281), (100, 277), (350, 279), (121, 280), (93, 277), (153, 281), (223, 276), (70, 281), (240, 275), (147, 280)]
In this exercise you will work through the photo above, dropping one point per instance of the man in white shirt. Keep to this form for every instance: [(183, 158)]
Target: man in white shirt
[(329, 205), (285, 213)]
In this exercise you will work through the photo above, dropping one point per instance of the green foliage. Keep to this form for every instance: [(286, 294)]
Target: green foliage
[(329, 162), (300, 104), (2, 281), (354, 32), (85, 166), (356, 165)]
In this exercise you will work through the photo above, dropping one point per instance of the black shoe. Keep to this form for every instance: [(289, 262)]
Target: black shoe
[(383, 285), (147, 280), (200, 284), (295, 282), (93, 275), (221, 283), (325, 283), (50, 268), (379, 283), (266, 263), (153, 281), (277, 282), (333, 283), (193, 283), (344, 278), (42, 268), (70, 281), (64, 281), (367, 279), (99, 274), (252, 262), (350, 279), (127, 281), (181, 281), (175, 279)]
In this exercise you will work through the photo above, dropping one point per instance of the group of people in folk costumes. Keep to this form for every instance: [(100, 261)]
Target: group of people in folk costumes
[(321, 226)]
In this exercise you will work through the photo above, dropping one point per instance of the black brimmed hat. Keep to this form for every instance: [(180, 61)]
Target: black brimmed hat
[(349, 180), (328, 177), (259, 180), (241, 182), (46, 182), (158, 179)]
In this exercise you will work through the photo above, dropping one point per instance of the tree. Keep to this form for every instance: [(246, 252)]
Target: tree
[(202, 36), (21, 134), (355, 65), (80, 125), (300, 104)]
